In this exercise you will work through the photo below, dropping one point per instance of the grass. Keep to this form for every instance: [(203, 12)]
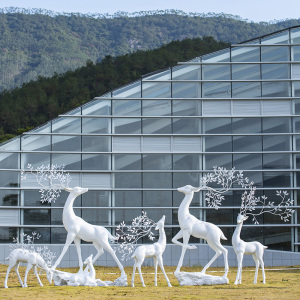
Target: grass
[(282, 282)]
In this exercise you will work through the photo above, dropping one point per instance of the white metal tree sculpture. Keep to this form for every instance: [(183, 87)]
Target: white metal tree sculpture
[(254, 206), (140, 227), (52, 179)]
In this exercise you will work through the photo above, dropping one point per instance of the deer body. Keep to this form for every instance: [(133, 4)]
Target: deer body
[(155, 250), (78, 230), (32, 259), (191, 226), (256, 249)]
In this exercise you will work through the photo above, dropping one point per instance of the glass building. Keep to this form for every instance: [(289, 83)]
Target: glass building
[(133, 147)]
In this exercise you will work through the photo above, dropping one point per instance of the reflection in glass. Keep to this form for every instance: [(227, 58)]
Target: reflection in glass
[(127, 125), (128, 180), (218, 144), (96, 125), (35, 159), (246, 125), (66, 125), (220, 160), (187, 108), (186, 161), (186, 90), (247, 161), (9, 179), (36, 142), (157, 125), (95, 162), (216, 90), (186, 125), (156, 90), (277, 143), (9, 160), (36, 217), (66, 143), (127, 162), (96, 143), (276, 125), (156, 107), (247, 143), (97, 107), (9, 197), (71, 161), (157, 162), (217, 125), (127, 107), (7, 234), (276, 161), (44, 232), (182, 179), (277, 179)]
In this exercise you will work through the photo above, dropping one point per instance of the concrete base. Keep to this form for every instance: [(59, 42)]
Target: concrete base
[(197, 278)]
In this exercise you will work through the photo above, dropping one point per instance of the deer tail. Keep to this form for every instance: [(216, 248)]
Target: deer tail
[(223, 237)]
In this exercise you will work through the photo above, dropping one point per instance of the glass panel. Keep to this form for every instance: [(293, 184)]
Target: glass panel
[(35, 159), (187, 72), (127, 126), (9, 179), (127, 199), (218, 56), (247, 143), (33, 198), (280, 53), (216, 90), (46, 128), (66, 125), (245, 54), (277, 179), (97, 216), (276, 161), (246, 72), (157, 125), (246, 125), (132, 90), (7, 234), (246, 89), (97, 107), (13, 144), (213, 107), (96, 143), (126, 144), (156, 90), (156, 107), (186, 162), (218, 144), (9, 160), (157, 162), (9, 197), (276, 89), (182, 179), (96, 125), (220, 160), (223, 217), (96, 162), (128, 180), (295, 35), (71, 161), (276, 143), (66, 143), (36, 217), (127, 162), (296, 89), (187, 108), (157, 180), (247, 161), (156, 144), (157, 199), (96, 180), (36, 142), (296, 53), (186, 125), (44, 232), (277, 38), (276, 107), (58, 235), (186, 90), (276, 125), (297, 108), (186, 144), (217, 125), (275, 71), (127, 107), (278, 238)]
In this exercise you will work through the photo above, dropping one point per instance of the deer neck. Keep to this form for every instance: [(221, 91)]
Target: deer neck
[(183, 210), (236, 235), (92, 272), (68, 212), (162, 237)]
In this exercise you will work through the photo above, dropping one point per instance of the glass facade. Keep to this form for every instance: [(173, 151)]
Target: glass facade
[(133, 147)]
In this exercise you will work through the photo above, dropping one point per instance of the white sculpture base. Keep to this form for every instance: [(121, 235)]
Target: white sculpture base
[(61, 278), (197, 278)]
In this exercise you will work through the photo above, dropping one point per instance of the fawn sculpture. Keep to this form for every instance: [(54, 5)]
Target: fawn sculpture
[(156, 251), (79, 230), (190, 225), (256, 249), (32, 259)]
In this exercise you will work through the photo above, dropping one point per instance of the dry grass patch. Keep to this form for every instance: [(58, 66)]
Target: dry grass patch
[(281, 283)]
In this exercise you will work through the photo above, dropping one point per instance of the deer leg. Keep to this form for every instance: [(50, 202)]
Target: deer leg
[(109, 249), (133, 272), (7, 272), (239, 257), (139, 264), (29, 266), (77, 244), (18, 274), (155, 268), (256, 267), (69, 240), (186, 238), (37, 275), (99, 249), (178, 236), (160, 262), (262, 269)]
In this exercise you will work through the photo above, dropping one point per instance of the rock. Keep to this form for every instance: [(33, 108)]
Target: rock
[(197, 278)]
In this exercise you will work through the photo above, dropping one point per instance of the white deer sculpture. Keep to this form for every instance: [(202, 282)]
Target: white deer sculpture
[(156, 251), (191, 226), (256, 249), (32, 259), (78, 230)]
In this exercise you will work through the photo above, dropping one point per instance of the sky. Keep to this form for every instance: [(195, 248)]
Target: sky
[(252, 10)]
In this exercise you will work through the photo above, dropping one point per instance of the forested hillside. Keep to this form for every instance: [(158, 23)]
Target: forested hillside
[(39, 101), (38, 43)]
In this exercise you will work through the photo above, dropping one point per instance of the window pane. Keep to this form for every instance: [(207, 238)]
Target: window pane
[(33, 198), (58, 235), (187, 108), (9, 160), (71, 161), (97, 107), (245, 54), (35, 159), (127, 162), (9, 179), (276, 161), (95, 216), (156, 90), (182, 179), (156, 107), (247, 161), (277, 143), (128, 180), (220, 160), (157, 199), (9, 198), (186, 90), (216, 90), (218, 144), (127, 107), (246, 89), (96, 143), (188, 126), (95, 162), (36, 142), (44, 232), (66, 143), (7, 234), (96, 125), (217, 125), (276, 125), (36, 217), (96, 199), (277, 179), (276, 89), (246, 125), (247, 143), (157, 180), (127, 126), (66, 125), (157, 162), (186, 161), (157, 125)]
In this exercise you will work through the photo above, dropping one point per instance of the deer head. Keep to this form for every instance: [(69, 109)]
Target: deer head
[(241, 218), (76, 190), (160, 223), (187, 189)]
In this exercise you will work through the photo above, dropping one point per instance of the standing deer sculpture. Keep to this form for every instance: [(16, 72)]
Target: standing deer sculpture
[(191, 226), (78, 230), (256, 249), (156, 251), (32, 259)]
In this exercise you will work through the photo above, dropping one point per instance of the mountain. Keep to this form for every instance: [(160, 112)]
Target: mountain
[(41, 43), (39, 101)]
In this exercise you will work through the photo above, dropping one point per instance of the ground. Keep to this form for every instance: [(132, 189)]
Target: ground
[(282, 282)]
